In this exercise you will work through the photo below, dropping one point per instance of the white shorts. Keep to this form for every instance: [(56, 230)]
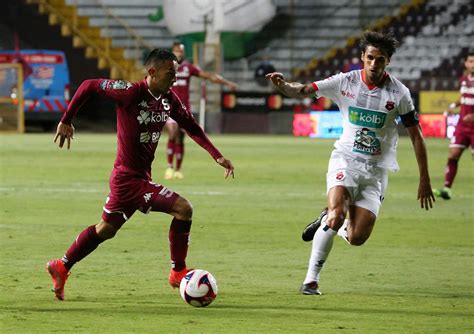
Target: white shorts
[(365, 182)]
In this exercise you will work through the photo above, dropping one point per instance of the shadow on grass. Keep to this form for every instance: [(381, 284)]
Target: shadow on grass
[(227, 310)]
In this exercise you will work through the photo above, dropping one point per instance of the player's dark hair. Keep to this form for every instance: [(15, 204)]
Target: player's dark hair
[(387, 43), (158, 55), (470, 52)]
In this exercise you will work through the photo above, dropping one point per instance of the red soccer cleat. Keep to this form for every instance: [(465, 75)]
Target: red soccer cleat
[(59, 275), (176, 276)]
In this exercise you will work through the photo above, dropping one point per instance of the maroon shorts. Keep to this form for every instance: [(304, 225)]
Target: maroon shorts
[(129, 194), (462, 139)]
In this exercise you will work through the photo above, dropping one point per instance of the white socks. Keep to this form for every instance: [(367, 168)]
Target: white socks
[(343, 231), (322, 244)]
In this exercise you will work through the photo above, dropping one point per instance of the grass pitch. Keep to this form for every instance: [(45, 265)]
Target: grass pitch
[(414, 275)]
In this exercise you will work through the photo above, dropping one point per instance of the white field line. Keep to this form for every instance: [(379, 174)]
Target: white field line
[(86, 190)]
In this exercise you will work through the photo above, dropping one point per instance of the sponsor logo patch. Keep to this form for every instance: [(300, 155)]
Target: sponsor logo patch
[(114, 84), (144, 117), (349, 95), (120, 84), (366, 142), (367, 118)]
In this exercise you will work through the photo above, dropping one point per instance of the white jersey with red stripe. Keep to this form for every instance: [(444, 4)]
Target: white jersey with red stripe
[(369, 115)]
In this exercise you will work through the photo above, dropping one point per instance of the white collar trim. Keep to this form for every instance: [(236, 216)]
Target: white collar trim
[(156, 98)]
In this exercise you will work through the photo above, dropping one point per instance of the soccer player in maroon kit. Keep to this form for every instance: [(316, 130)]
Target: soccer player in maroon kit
[(175, 147), (464, 133), (142, 111)]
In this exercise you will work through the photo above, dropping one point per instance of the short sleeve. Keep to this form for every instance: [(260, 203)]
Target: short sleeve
[(406, 110), (406, 103), (116, 90), (330, 87)]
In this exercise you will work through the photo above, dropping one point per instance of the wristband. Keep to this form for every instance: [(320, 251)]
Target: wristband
[(452, 106)]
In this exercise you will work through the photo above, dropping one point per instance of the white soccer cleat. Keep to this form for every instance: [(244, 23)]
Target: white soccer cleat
[(178, 175), (169, 173)]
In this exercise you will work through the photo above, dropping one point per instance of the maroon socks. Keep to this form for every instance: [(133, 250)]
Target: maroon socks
[(179, 153), (85, 243), (170, 152), (450, 174), (88, 240), (179, 239)]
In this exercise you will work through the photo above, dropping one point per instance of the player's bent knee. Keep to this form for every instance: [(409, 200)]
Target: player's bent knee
[(182, 209), (455, 153), (171, 136)]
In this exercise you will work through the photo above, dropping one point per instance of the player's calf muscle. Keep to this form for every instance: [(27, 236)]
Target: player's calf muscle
[(361, 230), (106, 230), (358, 240)]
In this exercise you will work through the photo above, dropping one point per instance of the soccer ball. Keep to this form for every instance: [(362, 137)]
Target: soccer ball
[(198, 288)]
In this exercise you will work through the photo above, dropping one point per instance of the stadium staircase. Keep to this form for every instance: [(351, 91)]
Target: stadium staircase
[(43, 36), (307, 39), (92, 33), (117, 32)]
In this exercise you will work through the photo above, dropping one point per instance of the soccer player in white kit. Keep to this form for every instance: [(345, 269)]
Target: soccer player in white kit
[(370, 100)]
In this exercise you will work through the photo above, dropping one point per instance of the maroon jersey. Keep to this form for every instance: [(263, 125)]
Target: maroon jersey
[(140, 120), (466, 103), (181, 87)]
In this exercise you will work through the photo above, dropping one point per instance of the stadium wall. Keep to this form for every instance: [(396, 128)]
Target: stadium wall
[(250, 123)]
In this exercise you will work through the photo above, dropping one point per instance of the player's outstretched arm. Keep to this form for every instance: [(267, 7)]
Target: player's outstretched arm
[(290, 89), (453, 106), (227, 164), (65, 132), (197, 134), (425, 192), (218, 79)]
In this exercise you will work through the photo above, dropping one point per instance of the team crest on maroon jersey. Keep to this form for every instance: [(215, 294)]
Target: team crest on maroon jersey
[(390, 105)]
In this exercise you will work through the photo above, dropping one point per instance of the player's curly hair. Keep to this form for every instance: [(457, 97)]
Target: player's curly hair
[(387, 43), (159, 55)]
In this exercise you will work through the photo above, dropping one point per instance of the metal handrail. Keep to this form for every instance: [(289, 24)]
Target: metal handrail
[(73, 26), (126, 26), (19, 97)]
